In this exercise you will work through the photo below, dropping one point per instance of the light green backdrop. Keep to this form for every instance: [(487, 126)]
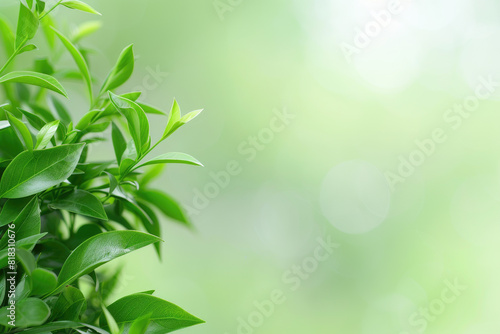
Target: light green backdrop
[(356, 146)]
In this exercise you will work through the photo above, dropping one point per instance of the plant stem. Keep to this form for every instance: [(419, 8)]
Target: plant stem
[(7, 63), (105, 199), (72, 219), (14, 54), (11, 58), (50, 10)]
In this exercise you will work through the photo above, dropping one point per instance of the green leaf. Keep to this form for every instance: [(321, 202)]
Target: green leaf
[(190, 116), (125, 165), (27, 223), (87, 119), (153, 173), (113, 326), (26, 244), (113, 182), (134, 184), (150, 109), (85, 29), (10, 108), (119, 143), (109, 283), (131, 205), (152, 225), (42, 65), (53, 252), (34, 120), (71, 138), (29, 243), (11, 210), (40, 6), (27, 25), (29, 312), (4, 162), (44, 281), (121, 72), (23, 93), (166, 204), (132, 96), (7, 37), (70, 303), (110, 110), (49, 34), (185, 119), (36, 79), (21, 131), (165, 317), (173, 118), (26, 260), (173, 157), (140, 325), (32, 172), (23, 288), (84, 232), (175, 121), (80, 202), (90, 171), (58, 325), (79, 60), (27, 48), (130, 152), (137, 121), (98, 127), (61, 111), (46, 134), (99, 250), (79, 5), (44, 113), (69, 75), (11, 145)]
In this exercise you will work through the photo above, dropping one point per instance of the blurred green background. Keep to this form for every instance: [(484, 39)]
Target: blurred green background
[(389, 151)]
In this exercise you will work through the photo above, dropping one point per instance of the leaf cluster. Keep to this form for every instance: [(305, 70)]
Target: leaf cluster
[(62, 215)]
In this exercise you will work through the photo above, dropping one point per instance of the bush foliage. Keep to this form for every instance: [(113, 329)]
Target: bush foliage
[(62, 215)]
